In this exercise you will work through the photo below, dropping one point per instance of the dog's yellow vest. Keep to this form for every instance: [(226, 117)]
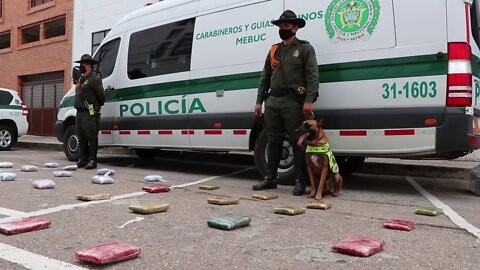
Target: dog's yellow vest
[(325, 149)]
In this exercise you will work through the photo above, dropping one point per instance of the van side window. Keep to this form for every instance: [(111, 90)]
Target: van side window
[(106, 57), (161, 50), (5, 98), (475, 18)]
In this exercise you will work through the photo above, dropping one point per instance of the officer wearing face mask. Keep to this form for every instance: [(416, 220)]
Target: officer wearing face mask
[(89, 98), (289, 87)]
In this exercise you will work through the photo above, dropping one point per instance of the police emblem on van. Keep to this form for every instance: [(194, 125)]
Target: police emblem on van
[(351, 20)]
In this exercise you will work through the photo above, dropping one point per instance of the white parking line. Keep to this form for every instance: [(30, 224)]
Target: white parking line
[(34, 261), (452, 215), (10, 212)]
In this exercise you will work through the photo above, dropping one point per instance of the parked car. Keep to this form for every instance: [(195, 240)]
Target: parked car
[(13, 118)]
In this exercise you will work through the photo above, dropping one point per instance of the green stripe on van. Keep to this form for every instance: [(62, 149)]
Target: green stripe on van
[(10, 107), (425, 65)]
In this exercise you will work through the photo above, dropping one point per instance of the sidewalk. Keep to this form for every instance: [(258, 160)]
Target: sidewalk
[(459, 168)]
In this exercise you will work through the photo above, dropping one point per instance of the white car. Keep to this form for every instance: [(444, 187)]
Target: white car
[(13, 118)]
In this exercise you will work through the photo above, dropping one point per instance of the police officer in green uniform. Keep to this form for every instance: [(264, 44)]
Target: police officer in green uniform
[(89, 98), (291, 75)]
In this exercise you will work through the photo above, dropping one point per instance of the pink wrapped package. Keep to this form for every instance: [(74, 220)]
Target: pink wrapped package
[(397, 224), (108, 253), (359, 245), (24, 225), (156, 188)]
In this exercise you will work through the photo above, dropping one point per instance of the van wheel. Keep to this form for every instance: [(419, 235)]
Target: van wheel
[(286, 171), (70, 143), (147, 153), (349, 165), (8, 138)]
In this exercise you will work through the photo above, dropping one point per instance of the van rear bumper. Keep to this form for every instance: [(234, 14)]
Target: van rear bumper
[(453, 135), (59, 130)]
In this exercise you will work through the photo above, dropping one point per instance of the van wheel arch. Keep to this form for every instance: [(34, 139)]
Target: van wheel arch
[(8, 135)]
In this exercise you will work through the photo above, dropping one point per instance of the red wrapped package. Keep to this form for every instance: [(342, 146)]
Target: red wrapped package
[(359, 245), (24, 225), (397, 224), (108, 253), (156, 188)]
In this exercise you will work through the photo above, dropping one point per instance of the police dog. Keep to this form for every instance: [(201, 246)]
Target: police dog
[(320, 160)]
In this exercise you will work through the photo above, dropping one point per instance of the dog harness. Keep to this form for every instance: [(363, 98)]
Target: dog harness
[(325, 149)]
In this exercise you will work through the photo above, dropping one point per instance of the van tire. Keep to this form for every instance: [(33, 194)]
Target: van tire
[(286, 172), (70, 143), (8, 137), (147, 153)]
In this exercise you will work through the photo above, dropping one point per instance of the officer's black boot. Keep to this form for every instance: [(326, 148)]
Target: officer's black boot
[(81, 163), (91, 165), (271, 180), (300, 171)]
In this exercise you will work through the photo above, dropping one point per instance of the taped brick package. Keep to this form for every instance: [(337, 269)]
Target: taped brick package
[(359, 245), (208, 187), (154, 178), (397, 224), (51, 165), (62, 173), (7, 176), (102, 180), (93, 197), (156, 188), (263, 195), (108, 253), (24, 225), (70, 168), (43, 184), (229, 222), (105, 171), (29, 168), (4, 165), (319, 205), (221, 200), (149, 208), (428, 211), (289, 210)]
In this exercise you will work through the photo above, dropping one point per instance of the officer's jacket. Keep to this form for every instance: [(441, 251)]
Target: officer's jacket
[(299, 66), (91, 91)]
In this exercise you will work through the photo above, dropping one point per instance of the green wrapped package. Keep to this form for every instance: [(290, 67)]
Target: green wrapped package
[(429, 211), (223, 200), (93, 197), (289, 210), (319, 205), (229, 222), (209, 187), (264, 195), (149, 209)]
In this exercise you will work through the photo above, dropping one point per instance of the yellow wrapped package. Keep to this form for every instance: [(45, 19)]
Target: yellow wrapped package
[(93, 197), (319, 205), (209, 187), (221, 200), (289, 210), (264, 195), (149, 209)]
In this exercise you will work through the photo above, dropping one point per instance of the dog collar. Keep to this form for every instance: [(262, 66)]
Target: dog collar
[(318, 149)]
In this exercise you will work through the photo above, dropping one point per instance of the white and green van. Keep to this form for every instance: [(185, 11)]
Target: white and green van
[(398, 78), (13, 118)]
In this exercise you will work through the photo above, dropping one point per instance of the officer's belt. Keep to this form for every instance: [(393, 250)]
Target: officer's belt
[(279, 92)]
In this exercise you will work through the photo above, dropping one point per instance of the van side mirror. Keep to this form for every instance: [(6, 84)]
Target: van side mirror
[(76, 74)]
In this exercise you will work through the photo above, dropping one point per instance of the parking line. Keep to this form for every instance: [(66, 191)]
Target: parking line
[(10, 212), (33, 261), (452, 215)]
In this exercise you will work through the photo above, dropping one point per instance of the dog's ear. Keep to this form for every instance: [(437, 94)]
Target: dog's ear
[(320, 122)]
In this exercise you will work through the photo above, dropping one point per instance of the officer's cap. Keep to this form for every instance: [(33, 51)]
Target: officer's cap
[(87, 58), (289, 16)]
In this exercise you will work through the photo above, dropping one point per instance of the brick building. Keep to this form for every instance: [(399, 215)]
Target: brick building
[(35, 56)]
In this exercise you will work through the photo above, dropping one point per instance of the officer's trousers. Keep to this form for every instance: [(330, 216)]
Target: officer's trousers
[(283, 115), (87, 132)]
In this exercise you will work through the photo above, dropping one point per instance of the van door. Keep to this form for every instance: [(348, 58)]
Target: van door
[(153, 100), (106, 56), (230, 47)]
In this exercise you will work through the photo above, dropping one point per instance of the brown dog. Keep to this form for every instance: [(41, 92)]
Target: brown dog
[(320, 159)]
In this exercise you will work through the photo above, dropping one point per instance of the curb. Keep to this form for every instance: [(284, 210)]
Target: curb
[(40, 146)]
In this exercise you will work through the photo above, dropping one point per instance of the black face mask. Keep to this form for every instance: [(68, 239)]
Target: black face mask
[(82, 69), (285, 33)]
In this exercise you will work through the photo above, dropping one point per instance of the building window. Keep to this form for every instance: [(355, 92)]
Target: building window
[(55, 28), (5, 40), (31, 34), (97, 38), (161, 50), (35, 3)]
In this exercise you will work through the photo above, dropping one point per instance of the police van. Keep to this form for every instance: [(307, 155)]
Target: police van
[(398, 78), (13, 118)]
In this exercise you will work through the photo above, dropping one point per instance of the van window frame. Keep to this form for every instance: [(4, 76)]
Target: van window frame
[(97, 57), (164, 41)]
